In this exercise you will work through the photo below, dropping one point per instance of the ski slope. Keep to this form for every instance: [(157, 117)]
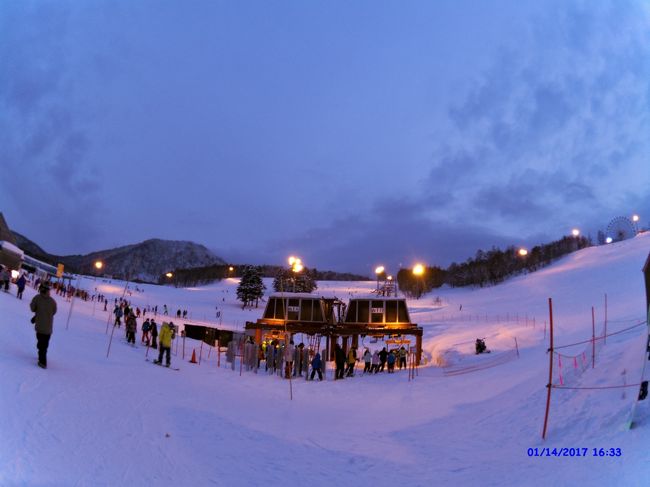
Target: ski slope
[(93, 420)]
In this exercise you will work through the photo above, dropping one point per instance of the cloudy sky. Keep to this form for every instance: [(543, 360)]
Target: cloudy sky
[(350, 133)]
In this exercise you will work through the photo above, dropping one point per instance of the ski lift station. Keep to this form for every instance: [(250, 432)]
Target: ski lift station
[(377, 317)]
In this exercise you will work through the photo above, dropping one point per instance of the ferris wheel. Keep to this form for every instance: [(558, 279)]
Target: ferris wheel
[(620, 228)]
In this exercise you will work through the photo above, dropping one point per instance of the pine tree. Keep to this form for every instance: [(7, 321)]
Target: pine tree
[(251, 288), (299, 282)]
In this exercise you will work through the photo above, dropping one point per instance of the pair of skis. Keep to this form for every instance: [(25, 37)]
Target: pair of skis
[(161, 365)]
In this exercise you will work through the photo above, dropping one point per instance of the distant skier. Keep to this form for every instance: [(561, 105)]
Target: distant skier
[(383, 356), (44, 308), (154, 334), (316, 367), (352, 360), (339, 359), (375, 362), (20, 283), (146, 327), (5, 278), (390, 359), (118, 316), (131, 328), (288, 359), (367, 359), (402, 358)]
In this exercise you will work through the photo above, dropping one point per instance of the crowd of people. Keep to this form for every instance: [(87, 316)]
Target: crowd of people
[(290, 360)]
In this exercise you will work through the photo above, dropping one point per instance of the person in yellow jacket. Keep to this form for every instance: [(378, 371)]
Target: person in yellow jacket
[(165, 343), (351, 360)]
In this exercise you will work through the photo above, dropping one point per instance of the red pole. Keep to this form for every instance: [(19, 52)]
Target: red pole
[(605, 328), (593, 338), (550, 368)]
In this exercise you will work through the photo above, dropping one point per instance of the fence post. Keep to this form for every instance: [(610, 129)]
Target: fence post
[(593, 338), (550, 368), (605, 329)]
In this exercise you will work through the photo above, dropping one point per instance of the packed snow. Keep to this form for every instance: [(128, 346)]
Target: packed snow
[(465, 419)]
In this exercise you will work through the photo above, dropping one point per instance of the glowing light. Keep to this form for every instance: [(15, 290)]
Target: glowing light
[(608, 240), (575, 232), (292, 260), (231, 268), (523, 252), (170, 275), (390, 278), (297, 267), (635, 218), (99, 264), (418, 269), (15, 274), (379, 269)]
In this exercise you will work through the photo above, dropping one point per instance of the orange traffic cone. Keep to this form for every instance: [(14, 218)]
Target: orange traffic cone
[(193, 360)]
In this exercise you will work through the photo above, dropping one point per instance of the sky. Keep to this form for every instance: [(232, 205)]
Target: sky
[(349, 133)]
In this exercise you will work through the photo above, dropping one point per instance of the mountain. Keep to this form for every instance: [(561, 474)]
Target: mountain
[(144, 261)]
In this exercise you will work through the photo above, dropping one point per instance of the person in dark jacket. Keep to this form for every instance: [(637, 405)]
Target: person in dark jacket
[(316, 367), (339, 358), (352, 361), (131, 328), (44, 308), (383, 355), (154, 334), (20, 283)]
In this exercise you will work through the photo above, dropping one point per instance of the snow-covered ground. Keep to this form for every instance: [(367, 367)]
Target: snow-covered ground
[(93, 420)]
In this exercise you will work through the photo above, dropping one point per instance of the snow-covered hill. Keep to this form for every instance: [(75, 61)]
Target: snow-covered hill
[(90, 419)]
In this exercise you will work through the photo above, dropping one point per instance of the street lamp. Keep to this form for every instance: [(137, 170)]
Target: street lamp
[(575, 232), (379, 270), (98, 267), (418, 272), (523, 252), (169, 275), (296, 267)]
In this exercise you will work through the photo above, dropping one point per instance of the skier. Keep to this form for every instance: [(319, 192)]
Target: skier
[(288, 359), (391, 361), (315, 367), (339, 358), (5, 277), (352, 360), (118, 315), (402, 358), (166, 335), (44, 308), (131, 326), (21, 282), (383, 355), (367, 359), (375, 362), (154, 334), (146, 326)]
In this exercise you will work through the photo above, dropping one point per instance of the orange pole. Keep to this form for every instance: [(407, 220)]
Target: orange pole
[(550, 368), (605, 329), (593, 338)]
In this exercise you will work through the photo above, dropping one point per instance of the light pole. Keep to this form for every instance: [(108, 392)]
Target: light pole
[(418, 272), (635, 221), (98, 267), (379, 270)]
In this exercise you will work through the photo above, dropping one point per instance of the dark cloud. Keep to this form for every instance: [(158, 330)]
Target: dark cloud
[(43, 141)]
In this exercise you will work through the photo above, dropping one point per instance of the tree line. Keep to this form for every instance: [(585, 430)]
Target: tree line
[(488, 267), (199, 276)]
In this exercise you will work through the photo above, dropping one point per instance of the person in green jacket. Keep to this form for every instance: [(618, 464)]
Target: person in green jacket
[(165, 344), (44, 308)]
